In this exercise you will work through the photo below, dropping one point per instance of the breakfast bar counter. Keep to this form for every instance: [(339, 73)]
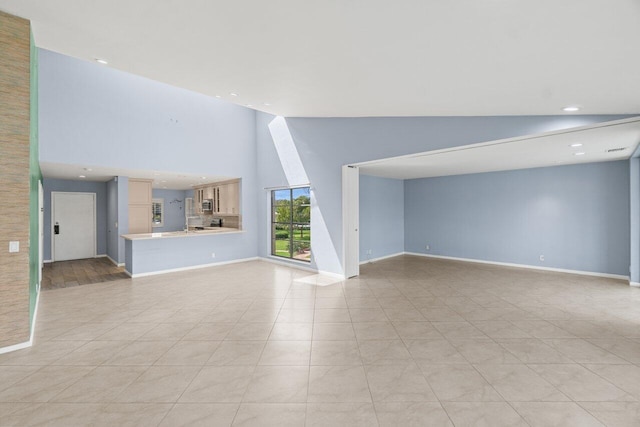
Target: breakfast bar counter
[(154, 253)]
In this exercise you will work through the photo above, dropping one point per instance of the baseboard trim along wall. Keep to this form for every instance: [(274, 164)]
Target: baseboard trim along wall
[(530, 267), (193, 267), (634, 284), (29, 343), (35, 316), (382, 257), (295, 265), (15, 347), (113, 260)]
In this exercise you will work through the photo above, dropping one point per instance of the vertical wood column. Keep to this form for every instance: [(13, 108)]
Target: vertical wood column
[(15, 40)]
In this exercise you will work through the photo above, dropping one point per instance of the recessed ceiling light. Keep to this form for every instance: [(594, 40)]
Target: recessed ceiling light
[(266, 104), (102, 61), (579, 153), (163, 181), (249, 105), (217, 96), (203, 177), (233, 94), (571, 109), (577, 144), (81, 176)]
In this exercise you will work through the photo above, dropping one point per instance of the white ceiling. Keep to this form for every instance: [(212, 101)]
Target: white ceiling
[(364, 57), (161, 179), (548, 149)]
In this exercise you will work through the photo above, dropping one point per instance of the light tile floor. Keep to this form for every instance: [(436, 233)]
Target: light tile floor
[(412, 341)]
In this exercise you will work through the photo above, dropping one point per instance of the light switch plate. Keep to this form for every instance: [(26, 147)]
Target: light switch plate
[(14, 246)]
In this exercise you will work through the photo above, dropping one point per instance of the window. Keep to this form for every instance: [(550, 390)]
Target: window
[(291, 223), (157, 212)]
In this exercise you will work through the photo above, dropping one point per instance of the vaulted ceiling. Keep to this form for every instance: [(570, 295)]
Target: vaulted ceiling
[(348, 58)]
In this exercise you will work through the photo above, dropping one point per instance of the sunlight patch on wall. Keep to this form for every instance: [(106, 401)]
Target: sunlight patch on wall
[(324, 254), (287, 152)]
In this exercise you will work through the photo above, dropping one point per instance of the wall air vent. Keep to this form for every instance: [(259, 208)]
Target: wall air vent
[(615, 150)]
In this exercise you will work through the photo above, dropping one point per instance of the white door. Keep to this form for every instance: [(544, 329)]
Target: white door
[(351, 220), (73, 233)]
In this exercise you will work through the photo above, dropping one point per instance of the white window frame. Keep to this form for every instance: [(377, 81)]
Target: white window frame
[(270, 253), (159, 201)]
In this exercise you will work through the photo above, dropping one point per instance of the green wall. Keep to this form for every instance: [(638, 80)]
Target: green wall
[(35, 177)]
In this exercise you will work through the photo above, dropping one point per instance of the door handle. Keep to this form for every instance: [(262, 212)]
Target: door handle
[(56, 229)]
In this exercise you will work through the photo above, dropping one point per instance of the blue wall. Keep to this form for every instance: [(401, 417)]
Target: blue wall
[(100, 188), (576, 216), (634, 218), (92, 115), (324, 145), (174, 219), (112, 219), (123, 214), (381, 217)]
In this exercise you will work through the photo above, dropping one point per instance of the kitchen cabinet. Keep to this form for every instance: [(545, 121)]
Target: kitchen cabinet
[(140, 199), (208, 193), (199, 196), (225, 197), (140, 219), (229, 198)]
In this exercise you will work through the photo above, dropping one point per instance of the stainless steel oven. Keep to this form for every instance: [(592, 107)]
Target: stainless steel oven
[(207, 205)]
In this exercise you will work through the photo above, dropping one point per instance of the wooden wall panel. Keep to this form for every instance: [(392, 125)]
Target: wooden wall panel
[(14, 178)]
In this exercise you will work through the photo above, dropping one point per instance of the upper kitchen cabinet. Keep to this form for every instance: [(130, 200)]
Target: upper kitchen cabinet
[(223, 198), (139, 191), (229, 198)]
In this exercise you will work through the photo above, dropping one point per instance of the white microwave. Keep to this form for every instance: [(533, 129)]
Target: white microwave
[(207, 205)]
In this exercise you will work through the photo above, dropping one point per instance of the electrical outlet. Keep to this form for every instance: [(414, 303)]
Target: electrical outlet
[(427, 247), (213, 254), (541, 257), (14, 246)]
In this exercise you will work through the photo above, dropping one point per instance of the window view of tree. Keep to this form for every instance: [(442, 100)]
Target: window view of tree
[(291, 223)]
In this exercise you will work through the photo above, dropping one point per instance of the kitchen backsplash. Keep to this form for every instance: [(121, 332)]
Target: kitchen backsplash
[(232, 221)]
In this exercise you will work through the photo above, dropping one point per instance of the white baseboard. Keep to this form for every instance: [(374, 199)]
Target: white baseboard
[(29, 343), (193, 267), (530, 267), (116, 263), (15, 347), (47, 261), (35, 316), (634, 284), (294, 264), (381, 258)]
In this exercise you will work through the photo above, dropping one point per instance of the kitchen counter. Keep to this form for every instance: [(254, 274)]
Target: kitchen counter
[(177, 250), (190, 233)]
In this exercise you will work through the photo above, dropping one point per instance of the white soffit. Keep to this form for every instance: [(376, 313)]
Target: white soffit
[(161, 179), (548, 149), (354, 58)]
